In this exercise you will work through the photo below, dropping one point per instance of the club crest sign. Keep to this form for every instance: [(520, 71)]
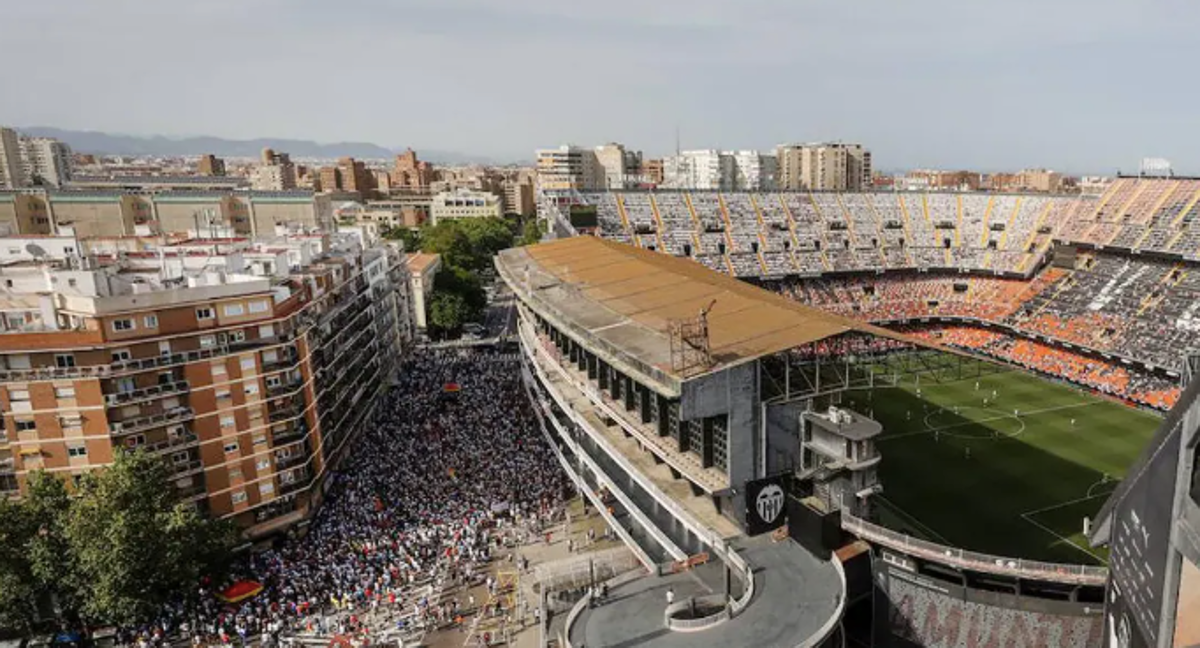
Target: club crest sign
[(769, 503), (766, 505)]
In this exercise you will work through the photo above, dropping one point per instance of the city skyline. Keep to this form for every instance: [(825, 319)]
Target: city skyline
[(1074, 86)]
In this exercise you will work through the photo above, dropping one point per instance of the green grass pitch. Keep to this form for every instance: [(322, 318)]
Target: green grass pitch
[(982, 477)]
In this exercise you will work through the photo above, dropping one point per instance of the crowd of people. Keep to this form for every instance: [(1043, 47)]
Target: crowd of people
[(452, 468), (1144, 310), (1104, 376)]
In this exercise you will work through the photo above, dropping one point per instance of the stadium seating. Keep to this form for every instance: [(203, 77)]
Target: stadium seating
[(934, 619), (977, 256)]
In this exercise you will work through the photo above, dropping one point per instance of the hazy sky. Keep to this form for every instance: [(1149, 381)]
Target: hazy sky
[(1080, 85)]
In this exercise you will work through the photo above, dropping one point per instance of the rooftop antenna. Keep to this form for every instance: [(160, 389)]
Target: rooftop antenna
[(677, 148)]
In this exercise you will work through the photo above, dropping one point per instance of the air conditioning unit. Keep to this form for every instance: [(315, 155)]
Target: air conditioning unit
[(117, 427)]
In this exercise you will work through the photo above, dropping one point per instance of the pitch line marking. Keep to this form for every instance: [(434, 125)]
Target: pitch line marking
[(1066, 503), (1061, 539), (928, 430)]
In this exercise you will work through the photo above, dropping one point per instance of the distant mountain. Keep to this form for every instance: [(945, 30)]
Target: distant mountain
[(109, 144)]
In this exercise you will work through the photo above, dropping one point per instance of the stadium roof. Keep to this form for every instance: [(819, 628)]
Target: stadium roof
[(625, 296)]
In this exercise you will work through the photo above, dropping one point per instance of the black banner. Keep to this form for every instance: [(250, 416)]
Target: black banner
[(1139, 549), (766, 505)]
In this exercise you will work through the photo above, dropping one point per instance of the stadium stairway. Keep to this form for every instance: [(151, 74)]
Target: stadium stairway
[(658, 221), (728, 223)]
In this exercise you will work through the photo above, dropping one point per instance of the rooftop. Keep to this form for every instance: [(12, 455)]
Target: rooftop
[(626, 296)]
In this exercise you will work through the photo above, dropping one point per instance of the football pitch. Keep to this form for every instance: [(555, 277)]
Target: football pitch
[(1004, 463)]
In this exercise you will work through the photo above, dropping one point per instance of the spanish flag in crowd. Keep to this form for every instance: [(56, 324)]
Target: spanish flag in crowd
[(451, 388), (240, 591)]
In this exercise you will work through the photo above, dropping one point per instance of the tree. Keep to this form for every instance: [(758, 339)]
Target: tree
[(464, 283), (134, 544), (448, 311), (411, 238), (48, 506), (487, 236), (18, 587), (450, 241), (532, 231)]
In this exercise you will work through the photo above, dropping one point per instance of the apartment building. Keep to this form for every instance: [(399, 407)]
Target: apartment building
[(210, 165), (410, 173), (250, 380), (569, 167), (45, 161), (276, 173), (704, 169), (454, 205), (518, 195), (827, 166), (12, 174)]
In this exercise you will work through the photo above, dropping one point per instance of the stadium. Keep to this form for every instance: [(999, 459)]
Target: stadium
[(996, 365)]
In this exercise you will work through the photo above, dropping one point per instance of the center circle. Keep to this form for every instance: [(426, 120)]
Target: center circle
[(973, 422)]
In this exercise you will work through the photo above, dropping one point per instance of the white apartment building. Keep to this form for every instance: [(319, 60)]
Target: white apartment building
[(753, 171), (569, 167), (464, 203), (12, 173), (705, 169), (46, 160)]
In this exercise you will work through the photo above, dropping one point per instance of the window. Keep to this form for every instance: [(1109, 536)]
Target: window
[(251, 389), (150, 321), (77, 451), (164, 348), (18, 395), (260, 439), (258, 307), (64, 392), (273, 381), (247, 363), (222, 393), (180, 458), (262, 463), (228, 421), (121, 355), (122, 325), (266, 331), (218, 368), (237, 336), (72, 282), (204, 313), (26, 425), (233, 310), (266, 488), (235, 473), (208, 341), (126, 385), (64, 360), (239, 497), (231, 446)]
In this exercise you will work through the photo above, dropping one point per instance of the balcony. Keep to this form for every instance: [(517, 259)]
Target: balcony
[(283, 387), (285, 409), (179, 443), (146, 393), (141, 364), (141, 423), (184, 468), (54, 373), (297, 432)]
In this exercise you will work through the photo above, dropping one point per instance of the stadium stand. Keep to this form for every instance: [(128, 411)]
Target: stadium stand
[(931, 618), (978, 257)]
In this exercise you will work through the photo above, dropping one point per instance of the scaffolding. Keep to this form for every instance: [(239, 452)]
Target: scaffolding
[(690, 353)]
